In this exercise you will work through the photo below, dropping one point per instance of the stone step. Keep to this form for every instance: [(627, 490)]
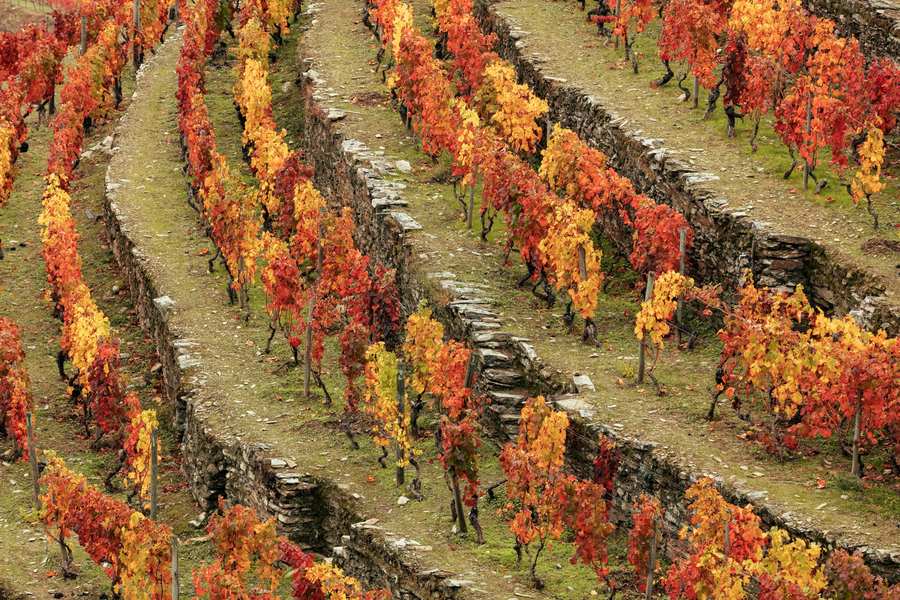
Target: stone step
[(509, 397), (504, 423), (494, 358), (504, 378), (510, 418), (473, 312)]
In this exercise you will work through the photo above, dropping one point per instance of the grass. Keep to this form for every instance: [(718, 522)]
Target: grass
[(25, 563), (675, 420), (18, 13), (568, 47), (274, 392)]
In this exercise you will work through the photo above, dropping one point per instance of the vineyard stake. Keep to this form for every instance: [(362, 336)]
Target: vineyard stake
[(32, 462), (642, 357), (726, 545), (855, 467), (401, 391), (306, 362), (175, 575), (154, 470), (651, 565), (618, 12), (679, 316), (83, 35), (806, 165), (470, 217), (582, 263), (137, 29), (696, 99), (470, 371), (307, 367)]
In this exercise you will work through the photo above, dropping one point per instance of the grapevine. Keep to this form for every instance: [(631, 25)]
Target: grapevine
[(643, 535), (134, 551), (15, 395)]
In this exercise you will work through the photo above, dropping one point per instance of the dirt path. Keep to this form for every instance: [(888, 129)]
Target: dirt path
[(342, 52), (15, 14), (25, 564), (247, 395)]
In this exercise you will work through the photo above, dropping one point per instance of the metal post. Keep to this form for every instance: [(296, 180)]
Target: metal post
[(84, 35), (32, 462), (401, 393), (470, 218), (307, 368), (306, 364), (642, 357), (855, 468), (154, 471), (137, 29), (679, 316), (618, 12), (175, 574), (807, 168)]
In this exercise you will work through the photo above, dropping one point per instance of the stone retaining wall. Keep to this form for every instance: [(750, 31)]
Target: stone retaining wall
[(353, 175), (726, 240), (876, 23), (311, 511)]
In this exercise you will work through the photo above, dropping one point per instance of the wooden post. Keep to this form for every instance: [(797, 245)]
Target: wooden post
[(137, 28), (642, 357), (52, 107), (696, 97), (84, 35), (401, 392), (855, 467), (460, 510), (308, 359), (726, 543), (470, 217), (582, 263), (154, 471), (618, 12), (651, 565), (32, 462), (470, 371), (307, 367), (679, 316), (806, 166), (175, 574)]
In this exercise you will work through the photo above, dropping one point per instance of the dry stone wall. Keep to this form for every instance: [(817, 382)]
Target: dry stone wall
[(876, 23), (356, 176), (312, 511), (727, 241)]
